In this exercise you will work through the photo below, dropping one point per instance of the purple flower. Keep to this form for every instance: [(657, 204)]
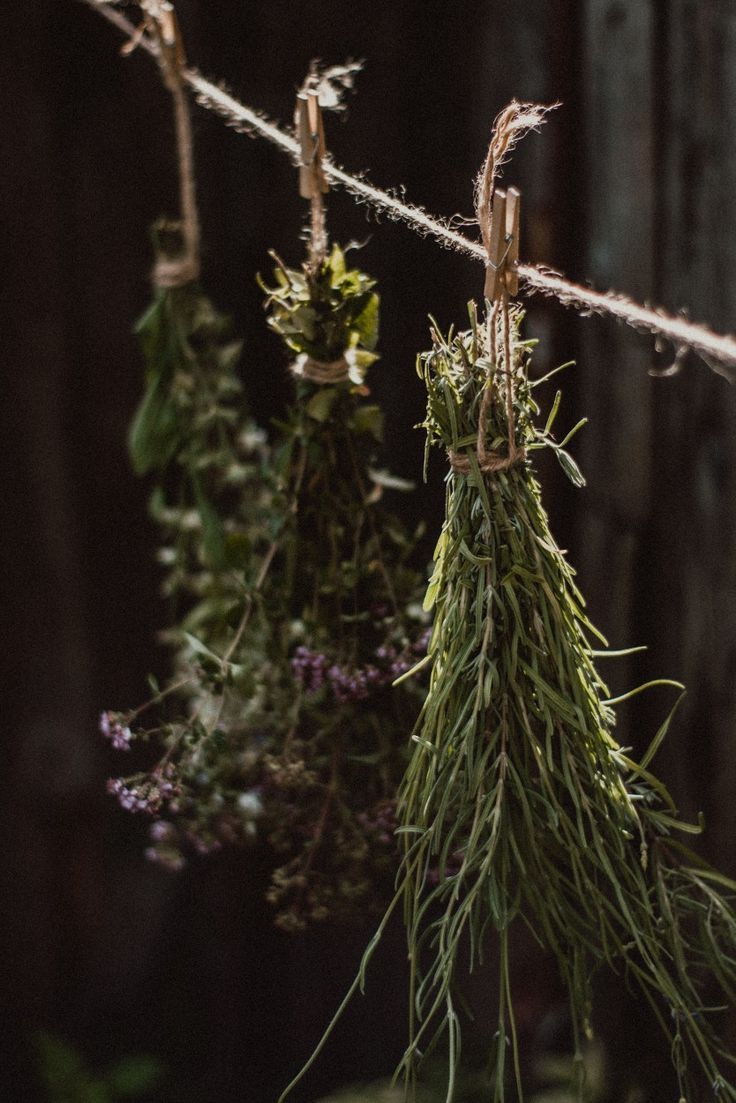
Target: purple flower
[(132, 800), (147, 797), (118, 734), (308, 668)]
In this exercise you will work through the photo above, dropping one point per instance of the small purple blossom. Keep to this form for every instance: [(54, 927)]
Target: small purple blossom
[(132, 800), (162, 830), (308, 668), (313, 670), (147, 797), (379, 823), (347, 685), (119, 734)]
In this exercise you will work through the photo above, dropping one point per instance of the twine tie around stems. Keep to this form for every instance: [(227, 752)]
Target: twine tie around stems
[(322, 372)]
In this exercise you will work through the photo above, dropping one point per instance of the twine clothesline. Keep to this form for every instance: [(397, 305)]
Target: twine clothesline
[(718, 350)]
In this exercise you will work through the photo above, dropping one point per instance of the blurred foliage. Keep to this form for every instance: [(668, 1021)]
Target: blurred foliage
[(68, 1079)]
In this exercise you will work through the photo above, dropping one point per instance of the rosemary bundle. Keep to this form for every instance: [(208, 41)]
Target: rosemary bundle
[(518, 803)]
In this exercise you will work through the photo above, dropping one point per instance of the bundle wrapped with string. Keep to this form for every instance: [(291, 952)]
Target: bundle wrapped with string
[(347, 586), (517, 792)]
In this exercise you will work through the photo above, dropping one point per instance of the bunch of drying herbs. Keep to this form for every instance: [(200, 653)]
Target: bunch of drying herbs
[(305, 608), (349, 602), (517, 790), (212, 502)]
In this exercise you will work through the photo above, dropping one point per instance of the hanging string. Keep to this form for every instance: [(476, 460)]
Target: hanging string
[(160, 21), (717, 350)]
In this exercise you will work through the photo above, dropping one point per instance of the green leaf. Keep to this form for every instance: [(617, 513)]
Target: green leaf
[(570, 467), (659, 737), (366, 323), (321, 403), (369, 419), (237, 550), (153, 437)]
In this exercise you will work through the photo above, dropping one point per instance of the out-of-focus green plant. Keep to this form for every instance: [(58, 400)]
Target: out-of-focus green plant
[(68, 1079)]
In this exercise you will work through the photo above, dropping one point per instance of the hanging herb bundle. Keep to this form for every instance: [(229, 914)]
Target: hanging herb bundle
[(307, 608), (347, 595), (349, 601), (191, 430), (211, 501), (517, 790), (518, 803)]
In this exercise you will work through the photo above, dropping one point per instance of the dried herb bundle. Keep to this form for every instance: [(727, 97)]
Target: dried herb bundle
[(517, 792), (518, 804), (349, 601), (191, 428), (212, 501), (288, 728)]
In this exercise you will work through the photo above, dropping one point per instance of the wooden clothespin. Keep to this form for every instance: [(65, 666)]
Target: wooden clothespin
[(503, 255), (311, 135)]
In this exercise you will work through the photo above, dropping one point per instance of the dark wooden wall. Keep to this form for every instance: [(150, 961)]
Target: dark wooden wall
[(632, 184)]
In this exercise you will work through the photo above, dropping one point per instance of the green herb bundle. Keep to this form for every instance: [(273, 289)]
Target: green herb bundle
[(212, 501), (191, 428), (288, 729), (348, 600), (518, 803)]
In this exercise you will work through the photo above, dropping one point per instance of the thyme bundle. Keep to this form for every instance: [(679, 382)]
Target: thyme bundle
[(211, 501), (288, 729), (518, 803), (349, 599)]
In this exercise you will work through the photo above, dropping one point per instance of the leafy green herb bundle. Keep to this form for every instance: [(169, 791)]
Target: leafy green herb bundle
[(518, 803), (191, 429), (349, 603), (289, 729), (212, 501)]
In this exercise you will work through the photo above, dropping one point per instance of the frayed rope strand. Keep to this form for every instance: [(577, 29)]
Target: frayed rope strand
[(718, 350)]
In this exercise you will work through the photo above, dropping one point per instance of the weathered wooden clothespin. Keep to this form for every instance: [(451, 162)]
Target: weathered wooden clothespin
[(311, 136), (503, 255)]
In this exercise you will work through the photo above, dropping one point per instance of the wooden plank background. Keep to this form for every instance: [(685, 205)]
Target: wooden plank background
[(632, 184)]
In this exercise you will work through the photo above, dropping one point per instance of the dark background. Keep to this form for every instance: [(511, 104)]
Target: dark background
[(632, 184)]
